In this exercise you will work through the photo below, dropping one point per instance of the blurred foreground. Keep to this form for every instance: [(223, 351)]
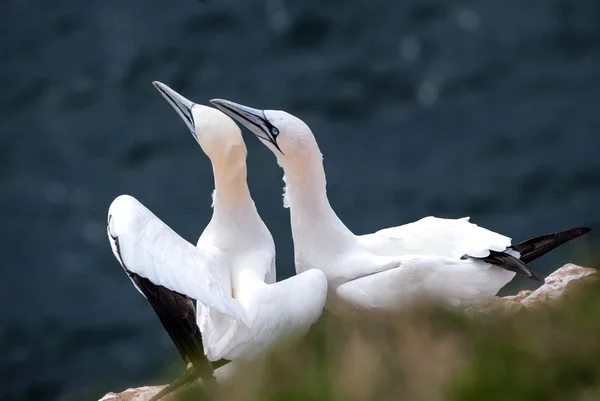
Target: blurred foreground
[(546, 352)]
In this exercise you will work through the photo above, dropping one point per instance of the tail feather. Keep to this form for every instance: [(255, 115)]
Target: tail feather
[(533, 248), (530, 250), (509, 262)]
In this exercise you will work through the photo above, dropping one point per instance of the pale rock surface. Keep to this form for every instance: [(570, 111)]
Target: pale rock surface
[(557, 286), (134, 394)]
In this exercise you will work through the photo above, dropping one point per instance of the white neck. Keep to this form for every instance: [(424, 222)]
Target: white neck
[(235, 226), (232, 196), (315, 225)]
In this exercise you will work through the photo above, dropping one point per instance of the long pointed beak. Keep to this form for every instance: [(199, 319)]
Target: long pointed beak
[(182, 106), (253, 119)]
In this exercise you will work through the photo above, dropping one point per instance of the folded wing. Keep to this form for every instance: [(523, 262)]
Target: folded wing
[(437, 237), (278, 312), (424, 277)]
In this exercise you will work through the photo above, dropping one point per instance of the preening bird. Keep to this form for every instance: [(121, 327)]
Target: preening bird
[(449, 260), (241, 310)]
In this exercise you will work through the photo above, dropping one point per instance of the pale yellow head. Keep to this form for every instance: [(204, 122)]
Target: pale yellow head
[(217, 134), (287, 136)]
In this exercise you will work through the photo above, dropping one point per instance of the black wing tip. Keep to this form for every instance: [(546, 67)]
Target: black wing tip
[(573, 233), (581, 230), (508, 262), (533, 248), (527, 272), (534, 276)]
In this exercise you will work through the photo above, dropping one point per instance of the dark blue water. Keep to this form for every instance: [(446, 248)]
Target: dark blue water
[(452, 108)]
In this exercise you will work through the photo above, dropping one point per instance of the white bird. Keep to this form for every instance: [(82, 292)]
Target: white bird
[(449, 260), (242, 312)]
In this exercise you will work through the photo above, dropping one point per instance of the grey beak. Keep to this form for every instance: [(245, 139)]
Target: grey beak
[(182, 106), (253, 119)]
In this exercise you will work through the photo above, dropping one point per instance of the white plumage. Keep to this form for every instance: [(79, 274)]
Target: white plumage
[(241, 311), (146, 246), (437, 237), (432, 258)]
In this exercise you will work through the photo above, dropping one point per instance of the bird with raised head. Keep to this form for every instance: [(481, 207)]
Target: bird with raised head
[(448, 260), (241, 310)]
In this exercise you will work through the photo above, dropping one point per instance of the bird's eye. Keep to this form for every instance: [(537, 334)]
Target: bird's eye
[(274, 131)]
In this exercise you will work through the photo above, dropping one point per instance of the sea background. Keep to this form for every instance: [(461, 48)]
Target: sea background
[(483, 108)]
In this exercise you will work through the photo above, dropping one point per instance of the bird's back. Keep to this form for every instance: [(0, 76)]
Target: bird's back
[(437, 237)]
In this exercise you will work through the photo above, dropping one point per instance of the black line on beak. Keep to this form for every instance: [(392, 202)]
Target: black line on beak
[(184, 110), (265, 127)]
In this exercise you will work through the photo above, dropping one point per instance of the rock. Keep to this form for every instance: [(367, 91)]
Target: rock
[(134, 394), (519, 297), (558, 285), (497, 305)]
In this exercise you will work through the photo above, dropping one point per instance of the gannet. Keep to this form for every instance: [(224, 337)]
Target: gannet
[(241, 311), (448, 260)]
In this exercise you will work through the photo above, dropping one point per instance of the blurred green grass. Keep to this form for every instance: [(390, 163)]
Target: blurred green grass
[(432, 353)]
